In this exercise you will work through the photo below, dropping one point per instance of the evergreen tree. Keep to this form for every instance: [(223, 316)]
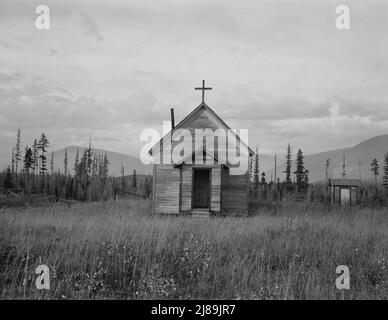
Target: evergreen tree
[(105, 168), (13, 160), (375, 169), (300, 172), (28, 163), (8, 181), (18, 152), (65, 162), (263, 178), (287, 171), (43, 144), (43, 164), (256, 169), (251, 168), (52, 163), (100, 162), (28, 160), (86, 163), (89, 160), (134, 180), (343, 166), (76, 163), (95, 166), (35, 156), (82, 170), (385, 174)]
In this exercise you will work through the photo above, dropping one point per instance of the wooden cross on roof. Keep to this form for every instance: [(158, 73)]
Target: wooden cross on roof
[(203, 88)]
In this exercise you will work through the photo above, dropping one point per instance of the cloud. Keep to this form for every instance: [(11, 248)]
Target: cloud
[(36, 106), (279, 68), (277, 108), (90, 27), (373, 108), (53, 52)]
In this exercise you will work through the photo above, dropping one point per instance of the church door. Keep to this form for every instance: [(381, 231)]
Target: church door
[(201, 188)]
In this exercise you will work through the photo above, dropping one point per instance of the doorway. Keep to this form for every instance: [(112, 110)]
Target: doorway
[(201, 188), (345, 196)]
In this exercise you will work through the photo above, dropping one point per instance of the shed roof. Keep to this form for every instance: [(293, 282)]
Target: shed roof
[(191, 117), (345, 182)]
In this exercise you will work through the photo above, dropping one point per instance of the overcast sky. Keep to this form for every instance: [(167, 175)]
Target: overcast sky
[(106, 70)]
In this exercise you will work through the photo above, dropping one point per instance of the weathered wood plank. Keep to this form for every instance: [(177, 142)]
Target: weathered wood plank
[(167, 189), (234, 191), (215, 201), (186, 187)]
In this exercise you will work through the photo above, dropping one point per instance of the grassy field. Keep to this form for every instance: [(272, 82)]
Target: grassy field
[(118, 250)]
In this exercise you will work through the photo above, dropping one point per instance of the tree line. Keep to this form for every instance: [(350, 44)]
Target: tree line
[(375, 168), (301, 173), (297, 182), (32, 170)]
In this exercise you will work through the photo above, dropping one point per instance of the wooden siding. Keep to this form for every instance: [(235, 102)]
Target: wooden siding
[(153, 187), (167, 185), (187, 176), (353, 195), (234, 192), (173, 195), (215, 201)]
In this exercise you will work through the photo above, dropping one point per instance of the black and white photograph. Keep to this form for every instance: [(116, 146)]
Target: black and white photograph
[(193, 155)]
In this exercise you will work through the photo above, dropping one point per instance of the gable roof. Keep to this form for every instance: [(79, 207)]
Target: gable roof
[(191, 117)]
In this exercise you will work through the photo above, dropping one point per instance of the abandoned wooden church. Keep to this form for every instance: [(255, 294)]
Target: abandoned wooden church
[(202, 183)]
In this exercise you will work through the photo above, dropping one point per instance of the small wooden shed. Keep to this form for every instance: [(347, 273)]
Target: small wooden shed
[(196, 187), (344, 191)]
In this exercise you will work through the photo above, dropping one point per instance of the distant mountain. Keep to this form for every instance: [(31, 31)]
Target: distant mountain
[(115, 161), (358, 157)]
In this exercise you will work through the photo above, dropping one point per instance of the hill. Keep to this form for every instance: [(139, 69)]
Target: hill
[(358, 158)]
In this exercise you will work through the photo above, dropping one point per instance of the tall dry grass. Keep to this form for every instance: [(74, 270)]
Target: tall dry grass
[(118, 250)]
